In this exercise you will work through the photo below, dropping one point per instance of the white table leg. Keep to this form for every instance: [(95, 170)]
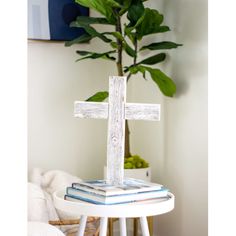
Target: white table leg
[(103, 226), (144, 226), (123, 230), (82, 225)]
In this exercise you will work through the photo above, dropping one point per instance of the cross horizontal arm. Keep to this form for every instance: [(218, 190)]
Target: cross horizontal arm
[(140, 111), (97, 110)]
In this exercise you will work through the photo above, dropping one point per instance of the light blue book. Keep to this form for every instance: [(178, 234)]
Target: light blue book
[(129, 186), (115, 199)]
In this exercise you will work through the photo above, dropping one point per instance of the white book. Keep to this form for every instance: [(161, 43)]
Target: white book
[(115, 199), (129, 186)]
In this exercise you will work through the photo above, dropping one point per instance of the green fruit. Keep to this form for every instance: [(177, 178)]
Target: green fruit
[(139, 164), (145, 165), (129, 159), (128, 165), (135, 162), (136, 157)]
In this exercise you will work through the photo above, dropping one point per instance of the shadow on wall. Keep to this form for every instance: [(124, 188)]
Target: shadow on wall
[(185, 30)]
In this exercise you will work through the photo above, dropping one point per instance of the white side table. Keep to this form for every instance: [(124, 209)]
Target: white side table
[(140, 209)]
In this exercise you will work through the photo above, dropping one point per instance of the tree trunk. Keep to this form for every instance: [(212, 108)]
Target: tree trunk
[(127, 136)]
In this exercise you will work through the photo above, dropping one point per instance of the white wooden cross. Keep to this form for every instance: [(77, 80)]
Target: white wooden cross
[(116, 111)]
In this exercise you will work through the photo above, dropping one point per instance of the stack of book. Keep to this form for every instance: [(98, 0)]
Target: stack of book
[(99, 192)]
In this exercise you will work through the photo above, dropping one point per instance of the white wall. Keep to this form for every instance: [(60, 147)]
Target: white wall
[(176, 147), (183, 165)]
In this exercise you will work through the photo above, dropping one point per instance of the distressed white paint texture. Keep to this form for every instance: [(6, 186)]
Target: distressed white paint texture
[(97, 110), (116, 130), (135, 111), (116, 110)]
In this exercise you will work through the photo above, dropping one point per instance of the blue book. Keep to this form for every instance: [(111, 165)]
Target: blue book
[(95, 198), (129, 186)]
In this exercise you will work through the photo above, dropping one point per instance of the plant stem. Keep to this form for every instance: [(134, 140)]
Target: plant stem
[(127, 132), (127, 143), (136, 50), (119, 49), (135, 58), (120, 73)]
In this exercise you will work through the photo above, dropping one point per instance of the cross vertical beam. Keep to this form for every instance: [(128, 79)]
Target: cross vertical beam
[(116, 130)]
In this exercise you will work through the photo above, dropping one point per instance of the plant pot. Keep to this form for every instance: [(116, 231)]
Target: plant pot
[(141, 173)]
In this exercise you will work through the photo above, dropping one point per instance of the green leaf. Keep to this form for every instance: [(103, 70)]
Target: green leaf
[(98, 97), (112, 3), (131, 35), (94, 55), (165, 83), (92, 20), (136, 10), (161, 46), (125, 6), (116, 34), (83, 53), (84, 22), (119, 36), (135, 69), (90, 30), (126, 68), (153, 59), (98, 4), (162, 29), (114, 45), (130, 51), (120, 1), (82, 39), (149, 23), (105, 7)]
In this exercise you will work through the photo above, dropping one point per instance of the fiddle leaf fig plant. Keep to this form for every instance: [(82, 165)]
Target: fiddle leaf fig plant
[(125, 39)]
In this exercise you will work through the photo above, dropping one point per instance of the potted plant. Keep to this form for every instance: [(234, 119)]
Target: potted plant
[(126, 38)]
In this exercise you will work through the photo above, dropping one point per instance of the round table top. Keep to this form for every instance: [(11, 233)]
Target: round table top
[(134, 209)]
